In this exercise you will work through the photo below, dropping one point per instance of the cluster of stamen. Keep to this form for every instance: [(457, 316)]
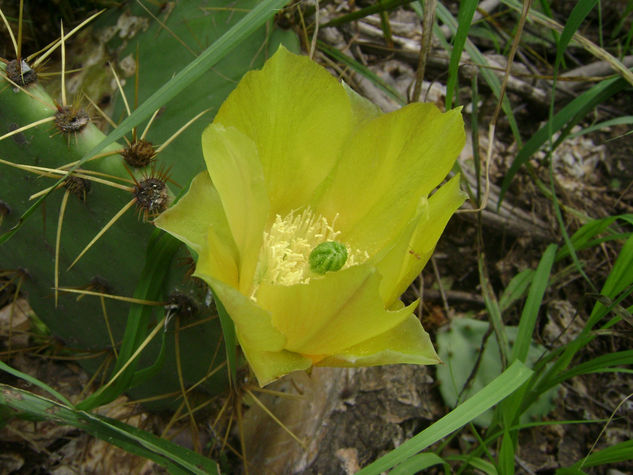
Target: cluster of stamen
[(286, 248)]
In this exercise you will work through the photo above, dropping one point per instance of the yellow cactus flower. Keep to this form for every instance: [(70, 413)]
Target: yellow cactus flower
[(314, 217)]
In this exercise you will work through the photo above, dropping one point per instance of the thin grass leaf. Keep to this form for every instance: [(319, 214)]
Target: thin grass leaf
[(505, 463), (476, 462), (160, 251), (616, 453), (363, 71), (516, 288), (378, 7), (511, 410), (578, 14), (177, 459), (34, 382), (570, 471), (591, 47), (144, 374), (494, 312), (576, 17), (206, 60), (602, 363), (624, 120), (417, 463), (563, 121), (619, 279), (533, 304), (582, 238), (498, 389), (489, 76), (464, 20)]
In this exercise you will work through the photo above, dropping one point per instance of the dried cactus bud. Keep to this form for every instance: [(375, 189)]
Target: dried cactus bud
[(71, 120), (77, 186), (139, 154), (20, 73), (151, 196)]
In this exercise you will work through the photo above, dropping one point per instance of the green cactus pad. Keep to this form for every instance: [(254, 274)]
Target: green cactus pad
[(192, 348)]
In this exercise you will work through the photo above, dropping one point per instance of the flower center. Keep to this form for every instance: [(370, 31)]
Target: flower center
[(301, 246)]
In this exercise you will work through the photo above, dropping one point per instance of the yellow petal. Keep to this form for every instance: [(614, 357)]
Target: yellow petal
[(298, 116), (389, 260), (253, 324), (406, 343), (219, 258), (442, 204), (236, 172), (189, 219), (331, 313), (362, 109), (270, 365), (385, 168)]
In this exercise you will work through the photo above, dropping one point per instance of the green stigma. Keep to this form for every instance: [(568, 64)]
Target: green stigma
[(328, 256)]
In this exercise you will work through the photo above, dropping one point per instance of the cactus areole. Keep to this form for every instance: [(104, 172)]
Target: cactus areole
[(20, 73)]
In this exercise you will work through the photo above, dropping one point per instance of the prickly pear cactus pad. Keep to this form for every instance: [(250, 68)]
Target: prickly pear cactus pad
[(460, 347), (85, 252)]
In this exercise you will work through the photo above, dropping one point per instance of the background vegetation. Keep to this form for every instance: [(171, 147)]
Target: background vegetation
[(528, 296)]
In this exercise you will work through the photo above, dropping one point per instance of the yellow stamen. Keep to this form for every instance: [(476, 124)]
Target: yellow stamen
[(284, 257)]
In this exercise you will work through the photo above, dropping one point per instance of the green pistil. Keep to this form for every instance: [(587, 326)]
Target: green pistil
[(328, 256)]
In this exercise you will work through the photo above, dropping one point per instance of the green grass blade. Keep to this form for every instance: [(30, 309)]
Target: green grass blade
[(475, 462), (34, 382), (490, 300), (363, 71), (566, 118), (160, 252), (619, 279), (144, 374), (533, 304), (570, 471), (581, 238), (616, 453), (378, 7), (506, 453), (489, 76), (136, 441), (602, 363), (516, 288), (464, 19), (624, 120), (416, 463), (498, 389), (576, 17)]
